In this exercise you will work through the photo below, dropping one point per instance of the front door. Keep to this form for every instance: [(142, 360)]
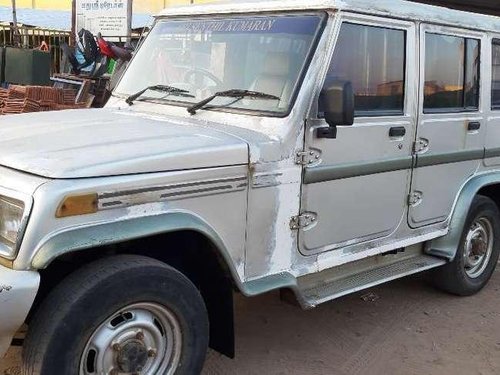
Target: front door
[(356, 189), (452, 128)]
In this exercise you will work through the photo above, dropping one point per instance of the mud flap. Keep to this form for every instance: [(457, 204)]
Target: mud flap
[(218, 296)]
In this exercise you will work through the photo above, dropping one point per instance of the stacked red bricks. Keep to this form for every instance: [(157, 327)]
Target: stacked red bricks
[(25, 99)]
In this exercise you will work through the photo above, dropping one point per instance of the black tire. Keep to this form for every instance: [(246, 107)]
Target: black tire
[(67, 319), (453, 277)]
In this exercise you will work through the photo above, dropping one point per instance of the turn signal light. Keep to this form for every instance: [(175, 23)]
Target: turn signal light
[(74, 205)]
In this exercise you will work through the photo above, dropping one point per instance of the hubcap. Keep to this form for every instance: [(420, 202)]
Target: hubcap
[(132, 357), (143, 338), (478, 247)]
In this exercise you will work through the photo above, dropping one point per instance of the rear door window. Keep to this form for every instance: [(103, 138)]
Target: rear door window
[(495, 84), (451, 73)]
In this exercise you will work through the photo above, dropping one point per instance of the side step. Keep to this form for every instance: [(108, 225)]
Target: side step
[(323, 288)]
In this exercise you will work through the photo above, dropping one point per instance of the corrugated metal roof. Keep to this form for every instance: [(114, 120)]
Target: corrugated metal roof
[(56, 19)]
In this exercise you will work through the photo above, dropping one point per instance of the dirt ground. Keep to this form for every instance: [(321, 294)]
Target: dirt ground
[(405, 327)]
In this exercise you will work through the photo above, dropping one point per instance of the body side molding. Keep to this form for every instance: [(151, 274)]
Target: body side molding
[(336, 172), (425, 160), (492, 152), (325, 173)]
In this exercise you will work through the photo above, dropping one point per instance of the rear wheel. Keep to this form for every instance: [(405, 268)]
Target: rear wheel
[(477, 255), (120, 315)]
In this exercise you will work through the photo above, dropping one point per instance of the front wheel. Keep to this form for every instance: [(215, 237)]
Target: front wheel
[(477, 255), (120, 315)]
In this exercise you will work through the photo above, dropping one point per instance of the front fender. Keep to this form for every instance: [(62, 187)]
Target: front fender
[(86, 237), (446, 246)]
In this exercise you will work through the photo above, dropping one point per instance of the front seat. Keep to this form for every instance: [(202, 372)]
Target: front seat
[(274, 78)]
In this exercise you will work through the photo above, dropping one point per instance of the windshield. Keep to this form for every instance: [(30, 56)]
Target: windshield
[(204, 56)]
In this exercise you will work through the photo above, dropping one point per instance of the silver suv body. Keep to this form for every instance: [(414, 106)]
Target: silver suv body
[(344, 146)]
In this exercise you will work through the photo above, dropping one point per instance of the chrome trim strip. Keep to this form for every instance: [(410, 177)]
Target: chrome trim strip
[(164, 187), (119, 199)]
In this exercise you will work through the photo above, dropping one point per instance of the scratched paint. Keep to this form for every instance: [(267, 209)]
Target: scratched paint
[(5, 288)]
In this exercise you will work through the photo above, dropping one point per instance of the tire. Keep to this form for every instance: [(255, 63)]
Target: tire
[(459, 277), (152, 303)]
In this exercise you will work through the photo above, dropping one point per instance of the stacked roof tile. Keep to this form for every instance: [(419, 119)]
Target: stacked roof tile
[(25, 99)]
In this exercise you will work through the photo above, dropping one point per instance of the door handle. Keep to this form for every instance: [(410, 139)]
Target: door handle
[(397, 131), (473, 126)]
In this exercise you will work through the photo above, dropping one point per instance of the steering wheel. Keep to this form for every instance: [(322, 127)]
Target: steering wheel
[(198, 75)]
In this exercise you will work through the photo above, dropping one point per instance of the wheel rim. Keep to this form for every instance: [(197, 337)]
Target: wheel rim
[(143, 338), (478, 247)]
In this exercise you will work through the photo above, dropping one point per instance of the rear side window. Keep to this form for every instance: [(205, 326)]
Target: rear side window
[(451, 73), (495, 84), (373, 60)]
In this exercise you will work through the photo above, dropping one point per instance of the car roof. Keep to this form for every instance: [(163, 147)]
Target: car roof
[(390, 8)]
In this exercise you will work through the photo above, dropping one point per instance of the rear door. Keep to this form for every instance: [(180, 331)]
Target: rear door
[(452, 125), (493, 136), (357, 184)]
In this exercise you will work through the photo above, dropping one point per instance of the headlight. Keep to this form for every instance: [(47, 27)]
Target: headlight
[(11, 225)]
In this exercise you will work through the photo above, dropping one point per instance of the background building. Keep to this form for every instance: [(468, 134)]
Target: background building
[(140, 6), (153, 6)]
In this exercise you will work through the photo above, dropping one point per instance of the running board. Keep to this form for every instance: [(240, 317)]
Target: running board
[(328, 285)]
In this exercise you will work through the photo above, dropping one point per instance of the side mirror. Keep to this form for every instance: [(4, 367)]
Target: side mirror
[(337, 103)]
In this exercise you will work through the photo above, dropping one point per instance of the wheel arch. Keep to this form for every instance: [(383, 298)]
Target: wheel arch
[(487, 185), (199, 253)]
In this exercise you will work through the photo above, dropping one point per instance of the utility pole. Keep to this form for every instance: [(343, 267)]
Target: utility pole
[(16, 40), (72, 37), (130, 14)]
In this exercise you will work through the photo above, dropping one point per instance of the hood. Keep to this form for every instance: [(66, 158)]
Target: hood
[(110, 142)]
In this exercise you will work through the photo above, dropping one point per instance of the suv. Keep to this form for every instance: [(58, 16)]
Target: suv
[(318, 147)]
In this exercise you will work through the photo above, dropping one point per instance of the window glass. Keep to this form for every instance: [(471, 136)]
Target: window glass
[(373, 60), (496, 75), (207, 55), (451, 73), (472, 73)]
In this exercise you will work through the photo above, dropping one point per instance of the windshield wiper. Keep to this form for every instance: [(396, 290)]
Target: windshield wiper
[(235, 93), (162, 88)]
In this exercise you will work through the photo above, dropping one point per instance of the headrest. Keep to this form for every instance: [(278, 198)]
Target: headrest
[(276, 64)]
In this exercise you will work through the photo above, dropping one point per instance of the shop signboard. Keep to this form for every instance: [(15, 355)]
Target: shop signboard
[(112, 18)]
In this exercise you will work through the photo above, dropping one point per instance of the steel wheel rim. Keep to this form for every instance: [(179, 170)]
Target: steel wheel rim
[(478, 247), (143, 338)]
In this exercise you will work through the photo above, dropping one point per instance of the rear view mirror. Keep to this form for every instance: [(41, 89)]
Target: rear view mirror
[(337, 103)]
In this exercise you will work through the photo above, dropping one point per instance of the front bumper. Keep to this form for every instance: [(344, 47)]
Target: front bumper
[(17, 293)]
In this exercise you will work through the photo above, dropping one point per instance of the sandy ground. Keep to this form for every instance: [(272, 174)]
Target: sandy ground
[(405, 327)]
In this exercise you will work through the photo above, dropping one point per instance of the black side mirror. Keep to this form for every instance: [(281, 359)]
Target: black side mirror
[(337, 103)]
